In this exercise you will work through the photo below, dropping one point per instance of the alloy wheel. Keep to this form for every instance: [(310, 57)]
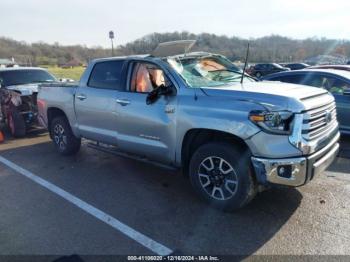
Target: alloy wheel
[(60, 136), (218, 178)]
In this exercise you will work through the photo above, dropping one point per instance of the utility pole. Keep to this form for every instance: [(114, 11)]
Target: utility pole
[(111, 36)]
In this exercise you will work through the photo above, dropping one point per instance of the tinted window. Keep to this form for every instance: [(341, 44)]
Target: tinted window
[(293, 66), (27, 76), (332, 84), (107, 75), (294, 79), (336, 86), (312, 80)]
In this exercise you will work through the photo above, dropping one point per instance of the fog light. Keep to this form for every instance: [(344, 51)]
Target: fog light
[(285, 171)]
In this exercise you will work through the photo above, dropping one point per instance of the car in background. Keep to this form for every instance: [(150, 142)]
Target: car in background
[(337, 67), (18, 97), (336, 82), (296, 66), (260, 70)]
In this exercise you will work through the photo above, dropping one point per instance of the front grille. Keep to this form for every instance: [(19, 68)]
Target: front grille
[(319, 122)]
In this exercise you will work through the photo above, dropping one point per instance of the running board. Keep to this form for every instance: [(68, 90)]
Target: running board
[(114, 151)]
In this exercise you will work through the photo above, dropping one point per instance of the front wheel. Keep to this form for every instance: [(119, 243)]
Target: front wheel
[(220, 173), (63, 138)]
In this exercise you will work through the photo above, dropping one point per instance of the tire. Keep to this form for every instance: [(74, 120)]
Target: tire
[(221, 174), (258, 74), (15, 122), (66, 143)]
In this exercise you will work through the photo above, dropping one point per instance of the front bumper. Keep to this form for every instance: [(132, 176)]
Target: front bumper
[(295, 171)]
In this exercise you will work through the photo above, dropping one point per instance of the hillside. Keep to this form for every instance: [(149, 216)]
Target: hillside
[(266, 49)]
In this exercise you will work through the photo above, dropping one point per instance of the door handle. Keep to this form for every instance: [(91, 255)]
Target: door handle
[(122, 102), (81, 97)]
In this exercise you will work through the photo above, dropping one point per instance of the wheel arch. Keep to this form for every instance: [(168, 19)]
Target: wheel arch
[(196, 137)]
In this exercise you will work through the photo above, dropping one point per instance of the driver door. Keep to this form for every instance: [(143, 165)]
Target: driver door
[(147, 130)]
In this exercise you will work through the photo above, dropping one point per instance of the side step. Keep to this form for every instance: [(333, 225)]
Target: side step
[(114, 151)]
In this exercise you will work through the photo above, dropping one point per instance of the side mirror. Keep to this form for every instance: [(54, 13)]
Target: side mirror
[(166, 90), (162, 90)]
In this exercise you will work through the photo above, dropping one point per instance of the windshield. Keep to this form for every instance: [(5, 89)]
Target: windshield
[(207, 71), (26, 76)]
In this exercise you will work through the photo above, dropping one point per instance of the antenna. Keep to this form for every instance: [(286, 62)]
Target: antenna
[(245, 64)]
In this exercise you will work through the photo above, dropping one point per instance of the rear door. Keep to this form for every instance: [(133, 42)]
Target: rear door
[(147, 130), (95, 103)]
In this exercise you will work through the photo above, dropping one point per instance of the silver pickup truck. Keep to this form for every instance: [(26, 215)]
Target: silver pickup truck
[(191, 111)]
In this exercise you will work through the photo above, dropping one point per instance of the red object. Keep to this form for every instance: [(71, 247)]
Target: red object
[(2, 137)]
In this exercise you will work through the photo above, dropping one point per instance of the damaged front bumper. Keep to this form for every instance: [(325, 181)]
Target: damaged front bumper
[(295, 171)]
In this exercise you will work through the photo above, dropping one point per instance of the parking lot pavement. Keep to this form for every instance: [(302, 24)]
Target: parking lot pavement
[(314, 219)]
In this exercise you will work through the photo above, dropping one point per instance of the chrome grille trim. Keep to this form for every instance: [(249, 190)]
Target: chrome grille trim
[(319, 122)]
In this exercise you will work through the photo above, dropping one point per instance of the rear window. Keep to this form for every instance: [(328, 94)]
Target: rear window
[(107, 75)]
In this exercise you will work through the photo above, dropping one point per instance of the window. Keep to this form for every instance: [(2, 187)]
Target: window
[(146, 77), (294, 79), (313, 80), (107, 75), (332, 84), (336, 86)]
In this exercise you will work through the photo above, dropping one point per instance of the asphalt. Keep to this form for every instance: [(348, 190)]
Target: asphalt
[(310, 220)]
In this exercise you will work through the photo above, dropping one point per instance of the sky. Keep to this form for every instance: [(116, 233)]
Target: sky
[(87, 22)]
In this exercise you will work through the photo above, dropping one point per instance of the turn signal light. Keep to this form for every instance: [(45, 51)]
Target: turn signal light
[(257, 118)]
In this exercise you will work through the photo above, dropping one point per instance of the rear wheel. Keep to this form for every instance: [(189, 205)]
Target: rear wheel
[(15, 122), (220, 173), (63, 138)]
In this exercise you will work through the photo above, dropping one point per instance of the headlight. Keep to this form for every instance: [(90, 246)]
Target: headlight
[(273, 122)]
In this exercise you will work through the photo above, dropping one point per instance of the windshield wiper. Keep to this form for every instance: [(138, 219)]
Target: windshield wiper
[(239, 74), (226, 70), (42, 81)]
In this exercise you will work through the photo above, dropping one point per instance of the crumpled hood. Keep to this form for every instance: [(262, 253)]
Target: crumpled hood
[(272, 95), (26, 89)]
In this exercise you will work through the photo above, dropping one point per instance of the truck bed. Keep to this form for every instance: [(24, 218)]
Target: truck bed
[(56, 95)]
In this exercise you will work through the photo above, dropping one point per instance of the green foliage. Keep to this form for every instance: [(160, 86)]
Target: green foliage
[(72, 73)]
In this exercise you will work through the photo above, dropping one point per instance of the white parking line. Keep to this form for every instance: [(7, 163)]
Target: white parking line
[(147, 242)]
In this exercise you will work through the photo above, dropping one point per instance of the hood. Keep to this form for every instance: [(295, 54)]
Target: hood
[(173, 48), (273, 95), (26, 89)]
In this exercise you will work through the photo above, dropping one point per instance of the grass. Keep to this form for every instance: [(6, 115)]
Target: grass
[(73, 73)]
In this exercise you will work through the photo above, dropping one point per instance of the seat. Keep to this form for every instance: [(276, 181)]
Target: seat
[(143, 81), (157, 76)]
